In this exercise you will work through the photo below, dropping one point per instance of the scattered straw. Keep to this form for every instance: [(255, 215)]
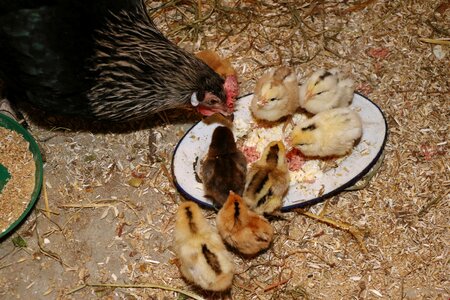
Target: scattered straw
[(445, 42), (275, 285), (407, 79), (140, 286), (44, 190), (353, 230)]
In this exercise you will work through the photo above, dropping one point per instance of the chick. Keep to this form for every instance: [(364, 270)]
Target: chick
[(325, 90), (267, 180), (329, 133), (224, 68), (224, 168), (202, 255), (241, 228), (276, 95)]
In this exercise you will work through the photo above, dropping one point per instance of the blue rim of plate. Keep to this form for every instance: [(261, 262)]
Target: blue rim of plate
[(306, 203), (11, 124)]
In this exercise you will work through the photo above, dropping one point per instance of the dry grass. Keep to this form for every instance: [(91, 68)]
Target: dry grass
[(403, 212)]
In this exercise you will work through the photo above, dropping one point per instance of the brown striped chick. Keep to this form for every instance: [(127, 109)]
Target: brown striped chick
[(242, 228), (267, 180), (329, 133), (224, 167), (324, 90), (276, 95), (202, 255)]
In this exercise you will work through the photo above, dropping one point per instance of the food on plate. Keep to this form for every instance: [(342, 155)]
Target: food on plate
[(224, 167), (252, 137), (326, 89), (267, 180), (276, 95), (203, 258), (242, 228), (304, 169), (329, 133)]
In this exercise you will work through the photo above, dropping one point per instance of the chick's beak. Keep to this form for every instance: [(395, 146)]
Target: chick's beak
[(295, 138), (309, 93), (262, 101)]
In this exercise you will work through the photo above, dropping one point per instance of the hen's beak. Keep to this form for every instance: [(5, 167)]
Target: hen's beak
[(220, 119)]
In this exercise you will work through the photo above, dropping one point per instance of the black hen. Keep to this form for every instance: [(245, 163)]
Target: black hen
[(100, 59)]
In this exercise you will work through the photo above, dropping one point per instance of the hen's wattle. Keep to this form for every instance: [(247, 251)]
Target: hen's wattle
[(231, 87)]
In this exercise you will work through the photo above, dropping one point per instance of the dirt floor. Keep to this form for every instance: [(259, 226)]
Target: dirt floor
[(102, 230)]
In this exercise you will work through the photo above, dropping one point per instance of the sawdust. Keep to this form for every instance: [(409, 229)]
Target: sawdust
[(403, 212), (18, 160)]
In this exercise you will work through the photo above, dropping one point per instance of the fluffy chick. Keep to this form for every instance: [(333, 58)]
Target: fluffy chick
[(329, 133), (267, 180), (202, 255), (243, 229), (224, 168), (324, 90), (224, 68), (276, 95)]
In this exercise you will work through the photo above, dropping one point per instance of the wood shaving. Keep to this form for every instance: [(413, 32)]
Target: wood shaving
[(18, 160), (404, 208)]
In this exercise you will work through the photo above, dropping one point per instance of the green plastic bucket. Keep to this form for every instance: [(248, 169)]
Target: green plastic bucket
[(11, 124)]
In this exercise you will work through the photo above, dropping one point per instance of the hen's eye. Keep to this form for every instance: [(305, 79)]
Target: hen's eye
[(272, 99), (213, 101), (320, 93)]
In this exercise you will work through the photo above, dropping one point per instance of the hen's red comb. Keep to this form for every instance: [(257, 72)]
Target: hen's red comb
[(232, 90)]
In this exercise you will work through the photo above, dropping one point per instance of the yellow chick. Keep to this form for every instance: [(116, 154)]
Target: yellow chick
[(203, 257), (243, 229), (276, 95), (329, 133), (267, 180), (324, 90)]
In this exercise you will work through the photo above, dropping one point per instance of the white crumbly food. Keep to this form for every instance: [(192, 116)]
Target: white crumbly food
[(241, 128), (260, 137), (309, 172)]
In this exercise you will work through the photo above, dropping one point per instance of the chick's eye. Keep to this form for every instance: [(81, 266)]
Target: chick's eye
[(272, 99)]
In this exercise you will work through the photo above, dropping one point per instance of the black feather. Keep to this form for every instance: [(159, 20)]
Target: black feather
[(100, 59), (211, 259)]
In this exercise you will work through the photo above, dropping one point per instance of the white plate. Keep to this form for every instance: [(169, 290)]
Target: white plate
[(195, 143)]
